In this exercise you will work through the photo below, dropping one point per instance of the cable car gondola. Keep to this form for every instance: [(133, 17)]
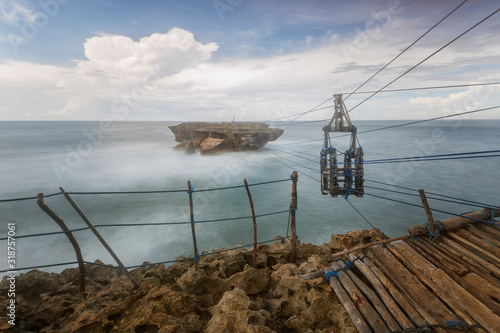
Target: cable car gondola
[(348, 178)]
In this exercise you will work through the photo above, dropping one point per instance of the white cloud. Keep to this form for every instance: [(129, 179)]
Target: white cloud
[(171, 76), (15, 12), (475, 97)]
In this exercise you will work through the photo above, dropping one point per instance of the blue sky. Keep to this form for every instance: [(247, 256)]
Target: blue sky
[(256, 60)]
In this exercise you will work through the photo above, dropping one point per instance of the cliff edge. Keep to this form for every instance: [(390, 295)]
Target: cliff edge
[(221, 293), (215, 138)]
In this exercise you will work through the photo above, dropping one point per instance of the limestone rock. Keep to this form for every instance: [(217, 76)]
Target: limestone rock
[(211, 146), (232, 314), (214, 138), (221, 293)]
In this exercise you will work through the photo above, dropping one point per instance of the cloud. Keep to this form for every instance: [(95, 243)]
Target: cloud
[(473, 98), (15, 12), (164, 54)]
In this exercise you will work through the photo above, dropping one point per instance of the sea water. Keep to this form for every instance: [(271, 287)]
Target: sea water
[(40, 157)]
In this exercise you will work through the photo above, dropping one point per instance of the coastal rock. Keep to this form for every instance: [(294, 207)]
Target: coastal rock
[(220, 293), (214, 138)]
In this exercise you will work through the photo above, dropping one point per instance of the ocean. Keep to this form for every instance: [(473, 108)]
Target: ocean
[(40, 157)]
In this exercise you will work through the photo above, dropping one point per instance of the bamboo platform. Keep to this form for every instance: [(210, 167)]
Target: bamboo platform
[(408, 284)]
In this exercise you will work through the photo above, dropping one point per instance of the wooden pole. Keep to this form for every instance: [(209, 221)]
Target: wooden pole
[(191, 212), (70, 236), (428, 211), (455, 222), (293, 209), (361, 247), (352, 310), (254, 224), (98, 235)]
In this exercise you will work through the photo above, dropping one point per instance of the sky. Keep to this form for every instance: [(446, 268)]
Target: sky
[(219, 60)]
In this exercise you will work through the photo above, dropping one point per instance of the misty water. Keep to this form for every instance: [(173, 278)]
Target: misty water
[(40, 157)]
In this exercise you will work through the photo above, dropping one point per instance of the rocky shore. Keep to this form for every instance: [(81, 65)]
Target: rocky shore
[(215, 138), (221, 293)]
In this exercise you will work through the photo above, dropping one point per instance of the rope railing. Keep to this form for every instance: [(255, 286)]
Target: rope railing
[(191, 191)]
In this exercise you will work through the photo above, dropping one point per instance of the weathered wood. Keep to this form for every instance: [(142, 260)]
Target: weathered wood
[(479, 242), (484, 291), (365, 246), (191, 213), (486, 228), (389, 302), (409, 284), (459, 299), (254, 223), (374, 299), (351, 309), (454, 222), (428, 212), (312, 275), (371, 316), (470, 260), (401, 300), (421, 268), (474, 248), (293, 209), (438, 257), (98, 235), (484, 235), (72, 240), (469, 284)]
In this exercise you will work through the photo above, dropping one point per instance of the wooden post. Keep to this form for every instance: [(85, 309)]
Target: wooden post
[(428, 211), (456, 222), (293, 209), (254, 224), (70, 236), (191, 211), (98, 235)]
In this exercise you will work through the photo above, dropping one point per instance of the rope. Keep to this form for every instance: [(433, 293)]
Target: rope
[(30, 198), (432, 235), (371, 225), (406, 49), (425, 59), (427, 88), (47, 233), (491, 223)]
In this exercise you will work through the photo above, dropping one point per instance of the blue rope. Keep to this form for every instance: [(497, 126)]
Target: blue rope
[(330, 274), (491, 223), (432, 235)]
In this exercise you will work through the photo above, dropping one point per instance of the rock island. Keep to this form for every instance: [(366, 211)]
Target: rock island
[(215, 138)]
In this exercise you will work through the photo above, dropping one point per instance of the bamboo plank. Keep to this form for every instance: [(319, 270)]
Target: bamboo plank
[(473, 285), (421, 268), (479, 242), (484, 291), (486, 228), (409, 307), (484, 235), (373, 297), (371, 316), (351, 309), (386, 298), (416, 291), (465, 304), (464, 257), (486, 255), (439, 257)]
